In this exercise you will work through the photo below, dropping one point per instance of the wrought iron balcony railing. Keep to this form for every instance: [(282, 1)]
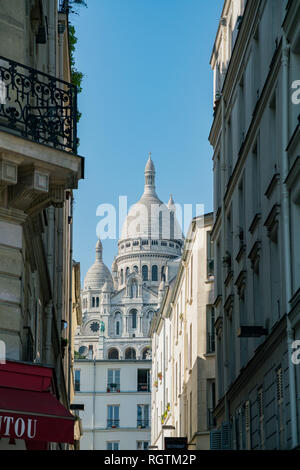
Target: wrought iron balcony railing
[(143, 423), (38, 106), (143, 387), (113, 423)]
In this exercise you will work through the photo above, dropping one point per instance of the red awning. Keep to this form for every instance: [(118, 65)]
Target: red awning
[(34, 416)]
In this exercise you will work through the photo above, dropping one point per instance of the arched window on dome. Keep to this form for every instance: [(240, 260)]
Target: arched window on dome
[(93, 302), (172, 225), (133, 318), (145, 273), (97, 301), (118, 328), (136, 269), (154, 273), (160, 225), (122, 276), (127, 272), (113, 353), (130, 353)]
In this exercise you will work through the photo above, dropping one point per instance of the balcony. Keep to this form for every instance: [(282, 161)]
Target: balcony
[(37, 106), (143, 423), (113, 387), (143, 387), (113, 423)]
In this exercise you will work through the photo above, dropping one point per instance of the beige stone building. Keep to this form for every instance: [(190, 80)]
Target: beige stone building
[(183, 345), (39, 169), (255, 137)]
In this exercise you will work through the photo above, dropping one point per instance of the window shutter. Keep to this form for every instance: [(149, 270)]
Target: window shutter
[(225, 436), (215, 440)]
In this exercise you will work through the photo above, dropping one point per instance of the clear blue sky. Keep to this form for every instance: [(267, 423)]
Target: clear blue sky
[(147, 87)]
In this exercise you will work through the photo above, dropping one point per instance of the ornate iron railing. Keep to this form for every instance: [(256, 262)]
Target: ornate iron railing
[(113, 423), (143, 423), (38, 106)]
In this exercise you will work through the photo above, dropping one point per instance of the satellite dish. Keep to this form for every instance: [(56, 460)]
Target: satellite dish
[(83, 351)]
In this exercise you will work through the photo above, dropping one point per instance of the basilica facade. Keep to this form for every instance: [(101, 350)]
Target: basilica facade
[(118, 306), (113, 365)]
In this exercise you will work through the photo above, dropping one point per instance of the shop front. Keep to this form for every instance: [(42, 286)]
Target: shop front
[(31, 416)]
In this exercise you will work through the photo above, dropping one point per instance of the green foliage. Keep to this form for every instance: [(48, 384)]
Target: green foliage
[(76, 75), (78, 356)]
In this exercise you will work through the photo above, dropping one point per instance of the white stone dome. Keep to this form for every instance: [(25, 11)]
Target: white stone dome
[(98, 275), (150, 218)]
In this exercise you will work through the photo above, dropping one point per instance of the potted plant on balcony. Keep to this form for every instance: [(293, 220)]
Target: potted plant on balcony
[(156, 383), (159, 375), (168, 406)]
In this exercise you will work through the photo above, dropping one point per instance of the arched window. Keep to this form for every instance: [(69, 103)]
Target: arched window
[(136, 269), (127, 272), (134, 289), (154, 273), (145, 273), (146, 353), (97, 301), (113, 353), (117, 323), (130, 353), (172, 225), (122, 276), (93, 302), (133, 316)]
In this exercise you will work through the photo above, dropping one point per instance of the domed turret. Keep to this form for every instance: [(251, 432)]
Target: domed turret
[(98, 274), (150, 218)]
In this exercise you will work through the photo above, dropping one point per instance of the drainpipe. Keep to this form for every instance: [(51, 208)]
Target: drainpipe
[(286, 236)]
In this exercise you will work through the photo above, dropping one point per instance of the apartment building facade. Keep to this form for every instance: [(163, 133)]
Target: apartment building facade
[(255, 137), (39, 169), (183, 346), (115, 395)]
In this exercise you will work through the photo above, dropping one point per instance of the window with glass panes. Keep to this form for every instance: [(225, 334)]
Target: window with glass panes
[(112, 445), (113, 380), (143, 416), (113, 420), (77, 380), (142, 445)]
